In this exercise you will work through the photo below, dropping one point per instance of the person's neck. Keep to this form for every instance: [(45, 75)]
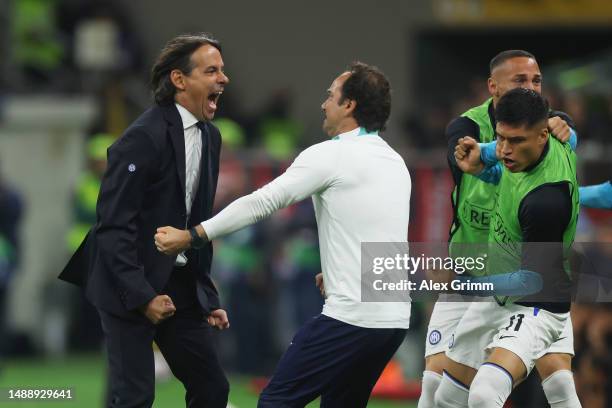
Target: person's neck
[(186, 106), (346, 127)]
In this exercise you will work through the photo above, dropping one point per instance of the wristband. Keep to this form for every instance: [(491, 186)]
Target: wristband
[(197, 242)]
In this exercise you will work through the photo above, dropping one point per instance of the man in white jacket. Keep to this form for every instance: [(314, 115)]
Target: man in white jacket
[(361, 192)]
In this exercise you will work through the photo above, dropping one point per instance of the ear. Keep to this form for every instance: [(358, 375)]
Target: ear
[(350, 105), (543, 136), (176, 77), (492, 85)]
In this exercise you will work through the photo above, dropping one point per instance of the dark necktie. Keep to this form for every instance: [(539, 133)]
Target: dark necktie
[(204, 129), (205, 170)]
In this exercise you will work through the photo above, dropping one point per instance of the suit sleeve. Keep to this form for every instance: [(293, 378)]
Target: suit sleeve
[(130, 162)]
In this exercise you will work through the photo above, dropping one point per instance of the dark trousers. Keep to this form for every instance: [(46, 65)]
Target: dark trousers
[(335, 360), (187, 342)]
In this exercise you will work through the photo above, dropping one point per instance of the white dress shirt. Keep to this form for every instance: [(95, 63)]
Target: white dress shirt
[(193, 155), (361, 192)]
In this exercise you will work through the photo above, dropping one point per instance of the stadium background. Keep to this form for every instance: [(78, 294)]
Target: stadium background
[(75, 69)]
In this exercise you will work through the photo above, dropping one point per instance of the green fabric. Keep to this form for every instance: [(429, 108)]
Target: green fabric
[(98, 145), (35, 34), (76, 235), (232, 133), (304, 254), (559, 165), (242, 257), (85, 200), (87, 195), (473, 200), (280, 137), (6, 250)]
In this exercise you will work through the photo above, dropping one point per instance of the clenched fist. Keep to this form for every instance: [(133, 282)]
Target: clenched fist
[(467, 155), (159, 309)]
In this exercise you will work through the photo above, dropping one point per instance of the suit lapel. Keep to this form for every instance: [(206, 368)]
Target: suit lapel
[(177, 137)]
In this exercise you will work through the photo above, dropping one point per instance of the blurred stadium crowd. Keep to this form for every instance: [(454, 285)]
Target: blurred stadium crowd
[(265, 272)]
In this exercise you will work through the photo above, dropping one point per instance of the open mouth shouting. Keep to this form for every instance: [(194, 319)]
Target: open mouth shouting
[(211, 103), (509, 163)]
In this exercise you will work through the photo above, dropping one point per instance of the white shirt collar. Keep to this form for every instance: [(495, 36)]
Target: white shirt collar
[(358, 131), (186, 117)]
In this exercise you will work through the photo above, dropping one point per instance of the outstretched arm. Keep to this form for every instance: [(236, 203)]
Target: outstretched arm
[(312, 171), (597, 196)]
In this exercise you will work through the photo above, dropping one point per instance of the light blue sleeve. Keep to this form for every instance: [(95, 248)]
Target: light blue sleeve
[(491, 174), (487, 153), (492, 171), (518, 283), (597, 196), (573, 140)]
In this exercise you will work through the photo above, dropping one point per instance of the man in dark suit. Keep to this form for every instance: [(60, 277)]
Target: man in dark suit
[(162, 171)]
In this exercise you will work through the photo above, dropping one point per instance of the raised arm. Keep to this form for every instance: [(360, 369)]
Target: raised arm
[(311, 172)]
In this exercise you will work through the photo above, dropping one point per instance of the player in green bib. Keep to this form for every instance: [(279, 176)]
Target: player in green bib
[(473, 200), (536, 202)]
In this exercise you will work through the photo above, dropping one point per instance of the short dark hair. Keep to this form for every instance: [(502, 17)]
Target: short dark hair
[(371, 91), (506, 55), (521, 107), (176, 54)]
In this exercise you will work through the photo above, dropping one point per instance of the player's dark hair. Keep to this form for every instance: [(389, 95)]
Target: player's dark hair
[(370, 90), (506, 55), (176, 54), (521, 107)]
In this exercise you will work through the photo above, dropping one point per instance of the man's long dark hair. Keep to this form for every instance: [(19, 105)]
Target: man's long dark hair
[(370, 89), (176, 54)]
